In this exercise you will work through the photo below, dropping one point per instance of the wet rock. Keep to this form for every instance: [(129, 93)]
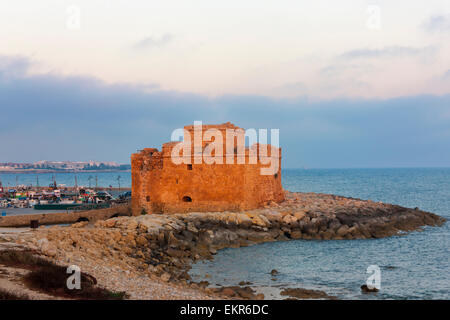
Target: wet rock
[(366, 289), (389, 267), (228, 292), (245, 292), (326, 235), (259, 296), (239, 292), (301, 293), (274, 272)]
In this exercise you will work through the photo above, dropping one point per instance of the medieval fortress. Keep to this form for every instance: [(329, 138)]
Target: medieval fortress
[(210, 170)]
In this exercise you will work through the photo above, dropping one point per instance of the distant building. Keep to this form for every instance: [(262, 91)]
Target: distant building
[(63, 166)]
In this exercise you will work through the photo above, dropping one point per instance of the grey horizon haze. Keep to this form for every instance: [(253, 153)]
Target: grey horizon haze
[(55, 117)]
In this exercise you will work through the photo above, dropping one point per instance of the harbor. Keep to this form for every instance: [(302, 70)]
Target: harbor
[(28, 199)]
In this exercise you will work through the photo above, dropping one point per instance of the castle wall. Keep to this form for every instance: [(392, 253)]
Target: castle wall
[(160, 186)]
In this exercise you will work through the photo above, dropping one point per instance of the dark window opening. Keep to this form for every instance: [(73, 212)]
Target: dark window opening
[(189, 166), (275, 175), (148, 198), (187, 199), (176, 181)]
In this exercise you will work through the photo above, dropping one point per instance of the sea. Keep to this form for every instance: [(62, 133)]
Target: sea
[(411, 266)]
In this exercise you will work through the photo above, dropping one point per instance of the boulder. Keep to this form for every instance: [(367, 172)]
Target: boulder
[(327, 235), (301, 293), (296, 234), (366, 289), (228, 292), (299, 215), (141, 240), (288, 219), (80, 224), (342, 231), (50, 250), (110, 223), (257, 220), (243, 219), (165, 277)]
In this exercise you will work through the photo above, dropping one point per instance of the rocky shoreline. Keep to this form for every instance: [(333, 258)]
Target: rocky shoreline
[(126, 253)]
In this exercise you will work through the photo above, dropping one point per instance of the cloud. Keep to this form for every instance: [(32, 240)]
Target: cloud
[(49, 116), (389, 52), (437, 24), (291, 88), (336, 70), (446, 75), (152, 42), (13, 65), (294, 86)]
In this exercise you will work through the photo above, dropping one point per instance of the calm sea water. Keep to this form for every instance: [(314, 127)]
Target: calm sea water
[(104, 179), (415, 266)]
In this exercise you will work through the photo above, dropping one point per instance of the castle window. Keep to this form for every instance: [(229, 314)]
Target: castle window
[(275, 175), (189, 166), (187, 199), (147, 198)]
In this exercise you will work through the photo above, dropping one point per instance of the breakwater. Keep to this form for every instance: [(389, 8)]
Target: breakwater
[(166, 245), (65, 217)]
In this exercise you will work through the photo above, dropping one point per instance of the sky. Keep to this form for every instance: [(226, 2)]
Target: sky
[(348, 83)]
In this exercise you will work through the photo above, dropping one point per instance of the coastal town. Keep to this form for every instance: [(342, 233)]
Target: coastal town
[(62, 166)]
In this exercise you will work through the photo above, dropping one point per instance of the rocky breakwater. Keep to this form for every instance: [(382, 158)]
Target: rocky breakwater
[(164, 246)]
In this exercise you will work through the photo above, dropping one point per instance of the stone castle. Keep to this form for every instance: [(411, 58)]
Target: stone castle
[(159, 185)]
